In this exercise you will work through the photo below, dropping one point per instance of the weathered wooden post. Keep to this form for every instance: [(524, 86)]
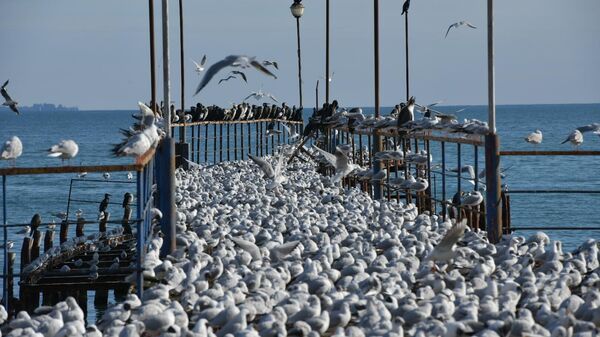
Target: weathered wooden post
[(35, 247), (48, 239), (80, 224), (64, 231), (10, 284)]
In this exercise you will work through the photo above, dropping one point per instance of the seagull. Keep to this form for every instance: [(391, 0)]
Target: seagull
[(9, 245), (534, 137), (472, 199), (141, 138), (576, 138), (226, 79), (200, 67), (129, 176), (106, 175), (258, 95), (468, 169), (231, 61), (263, 165), (7, 100), (66, 149), (276, 174), (407, 112), (82, 175), (405, 7), (594, 127), (271, 63), (291, 131), (12, 149), (241, 73), (271, 131), (25, 230), (458, 24), (444, 251), (340, 163)]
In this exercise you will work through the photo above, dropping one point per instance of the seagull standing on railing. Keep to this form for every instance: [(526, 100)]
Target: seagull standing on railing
[(66, 149), (534, 137), (144, 136), (12, 149), (7, 100), (407, 113), (575, 138)]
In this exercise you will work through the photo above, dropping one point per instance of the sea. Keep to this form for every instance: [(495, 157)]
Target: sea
[(97, 131)]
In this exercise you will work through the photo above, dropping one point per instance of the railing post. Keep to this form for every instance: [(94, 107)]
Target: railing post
[(5, 250), (492, 177), (48, 239), (9, 282), (444, 206), (139, 238), (64, 231), (166, 190)]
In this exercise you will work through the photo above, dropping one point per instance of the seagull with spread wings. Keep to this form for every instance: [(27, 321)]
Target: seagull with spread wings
[(340, 163), (7, 100), (242, 61), (444, 251), (459, 24), (275, 174), (226, 78), (258, 95), (200, 67), (241, 73)]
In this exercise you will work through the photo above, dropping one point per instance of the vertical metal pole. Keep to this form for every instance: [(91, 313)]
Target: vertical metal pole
[(299, 61), (376, 136), (182, 129), (459, 173), (167, 191), (139, 238), (476, 167), (326, 51), (406, 48), (492, 155), (5, 230), (152, 55), (443, 145)]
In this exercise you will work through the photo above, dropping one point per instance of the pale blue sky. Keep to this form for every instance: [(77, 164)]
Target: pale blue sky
[(94, 54)]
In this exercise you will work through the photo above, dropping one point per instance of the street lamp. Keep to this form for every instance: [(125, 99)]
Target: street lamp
[(297, 9)]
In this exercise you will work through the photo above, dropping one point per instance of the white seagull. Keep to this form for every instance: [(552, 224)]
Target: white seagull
[(458, 24), (200, 67), (473, 199), (12, 149), (232, 61), (258, 95), (7, 100), (534, 137), (66, 149), (340, 163), (576, 138), (444, 251), (139, 142)]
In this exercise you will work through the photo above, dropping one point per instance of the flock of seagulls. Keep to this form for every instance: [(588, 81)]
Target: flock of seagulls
[(575, 137), (235, 61), (242, 112), (144, 135), (310, 259)]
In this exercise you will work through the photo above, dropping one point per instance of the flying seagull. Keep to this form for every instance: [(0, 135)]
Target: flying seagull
[(227, 78), (534, 137), (232, 61), (241, 73), (8, 101), (340, 163), (458, 24), (405, 7), (258, 95), (444, 251), (12, 149), (66, 149), (200, 67), (271, 63)]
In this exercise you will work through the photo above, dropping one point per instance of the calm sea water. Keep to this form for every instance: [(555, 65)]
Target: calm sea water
[(95, 131)]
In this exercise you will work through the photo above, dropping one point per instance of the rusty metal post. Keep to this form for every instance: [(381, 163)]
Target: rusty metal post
[(376, 137)]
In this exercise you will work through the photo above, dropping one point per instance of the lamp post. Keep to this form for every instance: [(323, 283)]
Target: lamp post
[(377, 193), (327, 51), (297, 9)]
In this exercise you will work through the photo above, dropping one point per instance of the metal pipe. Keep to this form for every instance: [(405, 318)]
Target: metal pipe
[(299, 61), (182, 130), (166, 68), (443, 145), (152, 55), (491, 74), (5, 267), (376, 136), (326, 51), (459, 165), (476, 167), (139, 246), (406, 48)]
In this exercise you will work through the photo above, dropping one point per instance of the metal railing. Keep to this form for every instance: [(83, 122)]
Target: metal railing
[(144, 201)]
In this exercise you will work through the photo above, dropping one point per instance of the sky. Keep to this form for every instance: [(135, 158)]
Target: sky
[(95, 54)]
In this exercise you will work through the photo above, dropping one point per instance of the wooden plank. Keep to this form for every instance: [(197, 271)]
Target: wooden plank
[(550, 153)]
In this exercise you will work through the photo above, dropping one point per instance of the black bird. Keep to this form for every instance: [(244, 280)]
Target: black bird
[(405, 7), (237, 72), (407, 112), (104, 203), (226, 79), (36, 221)]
